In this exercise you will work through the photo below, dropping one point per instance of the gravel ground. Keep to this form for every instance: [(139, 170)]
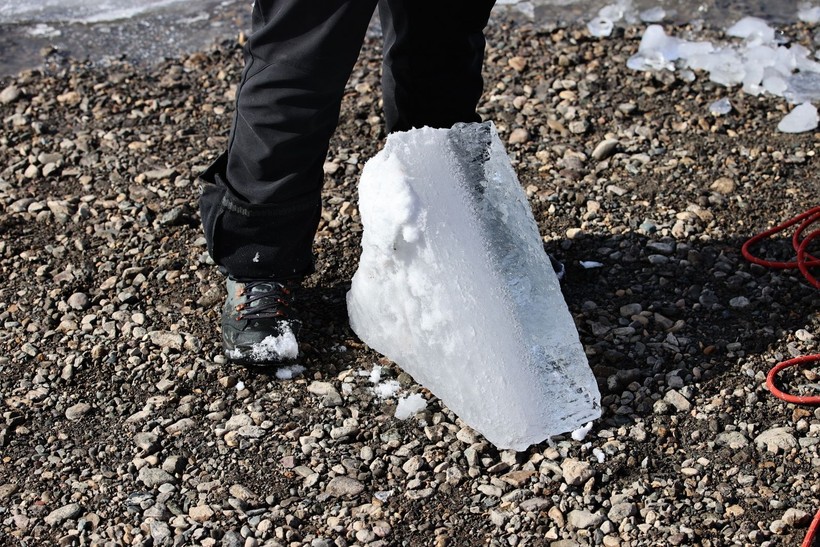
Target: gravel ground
[(123, 425)]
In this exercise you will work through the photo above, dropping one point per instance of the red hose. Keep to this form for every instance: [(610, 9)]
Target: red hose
[(813, 527), (788, 397), (803, 262)]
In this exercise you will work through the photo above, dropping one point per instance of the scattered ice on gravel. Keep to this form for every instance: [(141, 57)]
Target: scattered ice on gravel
[(808, 13), (720, 107), (758, 60), (410, 405), (289, 372), (802, 118), (387, 389)]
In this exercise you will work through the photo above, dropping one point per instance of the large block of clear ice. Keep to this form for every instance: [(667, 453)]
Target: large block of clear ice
[(455, 287)]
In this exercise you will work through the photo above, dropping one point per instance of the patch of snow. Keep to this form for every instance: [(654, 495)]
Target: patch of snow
[(581, 433), (290, 372), (410, 405)]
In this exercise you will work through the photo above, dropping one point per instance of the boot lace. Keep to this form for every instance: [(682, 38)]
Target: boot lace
[(264, 300)]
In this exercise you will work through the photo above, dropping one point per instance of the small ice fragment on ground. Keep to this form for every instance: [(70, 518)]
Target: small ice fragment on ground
[(256, 257), (753, 29), (808, 13), (290, 372), (383, 495), (276, 348), (375, 374), (802, 118), (653, 15), (600, 27), (720, 107), (410, 405), (581, 433), (656, 51), (240, 385), (387, 389), (801, 87), (598, 453), (590, 264)]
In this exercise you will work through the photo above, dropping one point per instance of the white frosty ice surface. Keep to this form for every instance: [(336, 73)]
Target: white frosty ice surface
[(385, 390), (290, 372), (410, 405), (581, 433), (272, 348), (455, 287), (802, 118)]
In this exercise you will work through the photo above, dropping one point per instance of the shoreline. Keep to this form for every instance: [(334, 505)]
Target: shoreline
[(132, 428)]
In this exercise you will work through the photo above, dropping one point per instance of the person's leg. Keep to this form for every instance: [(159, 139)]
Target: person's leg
[(433, 55), (261, 199)]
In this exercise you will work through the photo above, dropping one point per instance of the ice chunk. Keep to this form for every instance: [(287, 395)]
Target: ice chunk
[(600, 27), (802, 118), (753, 29), (774, 83), (724, 66), (653, 15), (802, 87), (410, 406), (720, 107), (455, 287), (581, 433), (808, 13), (656, 51)]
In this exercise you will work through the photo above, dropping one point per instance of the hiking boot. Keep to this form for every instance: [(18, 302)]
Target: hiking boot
[(258, 327)]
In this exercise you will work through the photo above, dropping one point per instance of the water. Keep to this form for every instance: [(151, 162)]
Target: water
[(146, 30), (140, 31)]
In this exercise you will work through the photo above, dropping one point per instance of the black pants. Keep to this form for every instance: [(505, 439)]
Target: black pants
[(261, 200)]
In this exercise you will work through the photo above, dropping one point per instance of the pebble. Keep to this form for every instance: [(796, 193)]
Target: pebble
[(64, 513), (153, 477), (605, 149), (776, 439), (344, 487), (201, 513), (583, 519), (78, 301), (518, 136), (576, 472), (9, 94), (76, 412)]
